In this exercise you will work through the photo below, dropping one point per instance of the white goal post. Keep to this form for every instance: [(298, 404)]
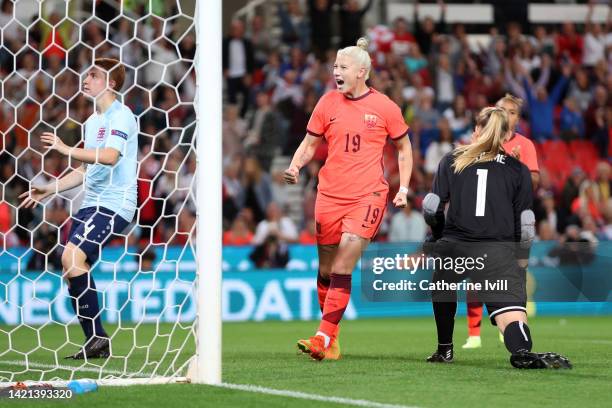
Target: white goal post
[(163, 320)]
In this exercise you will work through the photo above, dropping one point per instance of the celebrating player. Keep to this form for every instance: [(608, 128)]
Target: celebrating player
[(108, 169), (489, 195), (355, 120), (522, 149)]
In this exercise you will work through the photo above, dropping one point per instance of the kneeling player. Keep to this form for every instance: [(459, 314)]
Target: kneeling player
[(489, 195)]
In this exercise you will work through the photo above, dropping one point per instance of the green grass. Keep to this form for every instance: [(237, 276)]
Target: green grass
[(383, 362)]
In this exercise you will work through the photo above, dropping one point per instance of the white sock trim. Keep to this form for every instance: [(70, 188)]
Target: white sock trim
[(325, 336), (523, 330)]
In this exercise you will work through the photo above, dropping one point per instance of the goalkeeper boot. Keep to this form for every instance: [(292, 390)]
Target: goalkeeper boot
[(96, 347), (315, 346), (526, 359), (444, 354), (473, 342)]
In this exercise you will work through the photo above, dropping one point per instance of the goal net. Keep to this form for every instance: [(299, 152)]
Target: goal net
[(146, 275)]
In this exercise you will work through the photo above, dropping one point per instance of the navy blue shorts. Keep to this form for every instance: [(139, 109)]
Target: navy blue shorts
[(92, 228)]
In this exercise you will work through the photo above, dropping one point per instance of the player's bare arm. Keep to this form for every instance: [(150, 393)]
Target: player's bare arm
[(302, 156), (404, 160), (107, 155), (38, 193)]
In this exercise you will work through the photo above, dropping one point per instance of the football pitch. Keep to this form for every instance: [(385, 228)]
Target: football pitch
[(383, 363)]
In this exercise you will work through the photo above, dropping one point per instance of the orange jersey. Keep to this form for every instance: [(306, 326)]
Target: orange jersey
[(526, 151), (356, 131)]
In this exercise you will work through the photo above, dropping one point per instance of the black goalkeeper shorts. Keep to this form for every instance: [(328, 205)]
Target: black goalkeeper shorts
[(503, 283)]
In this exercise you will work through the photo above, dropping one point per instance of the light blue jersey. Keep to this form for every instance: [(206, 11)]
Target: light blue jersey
[(113, 187)]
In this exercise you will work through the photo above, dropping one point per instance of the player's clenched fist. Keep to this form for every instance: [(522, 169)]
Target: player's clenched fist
[(400, 200), (291, 175)]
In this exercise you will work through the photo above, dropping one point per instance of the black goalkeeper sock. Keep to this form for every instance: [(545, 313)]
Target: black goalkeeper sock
[(517, 337), (84, 300), (444, 313)]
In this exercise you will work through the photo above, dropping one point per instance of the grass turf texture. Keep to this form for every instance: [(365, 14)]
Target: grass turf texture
[(383, 361)]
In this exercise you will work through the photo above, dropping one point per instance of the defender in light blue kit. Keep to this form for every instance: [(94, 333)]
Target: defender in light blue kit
[(109, 171)]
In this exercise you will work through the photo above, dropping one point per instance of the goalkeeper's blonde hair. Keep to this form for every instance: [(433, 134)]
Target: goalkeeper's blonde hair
[(493, 124), (359, 54)]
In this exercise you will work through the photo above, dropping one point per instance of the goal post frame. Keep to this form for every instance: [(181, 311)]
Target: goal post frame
[(209, 75)]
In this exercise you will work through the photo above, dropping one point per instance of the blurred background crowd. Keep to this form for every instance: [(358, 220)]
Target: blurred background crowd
[(276, 65)]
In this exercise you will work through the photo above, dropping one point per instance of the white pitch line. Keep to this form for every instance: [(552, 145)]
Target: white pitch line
[(66, 367), (240, 387), (307, 396)]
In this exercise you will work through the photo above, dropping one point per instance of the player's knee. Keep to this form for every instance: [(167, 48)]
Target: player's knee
[(341, 268), (73, 261), (325, 270), (68, 259)]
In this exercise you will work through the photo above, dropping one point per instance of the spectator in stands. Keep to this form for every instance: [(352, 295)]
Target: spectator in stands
[(238, 65), (261, 39), (234, 131), (541, 105), (594, 40), (445, 87), (439, 148), (295, 27), (588, 201), (351, 14), (403, 39), (580, 90), (543, 42), (270, 254), (320, 12), (426, 112), (571, 121), (265, 134), (408, 225), (233, 191), (516, 74), (276, 224), (288, 92), (570, 44), (458, 116), (549, 213), (239, 233), (597, 121), (256, 191), (426, 31), (568, 195)]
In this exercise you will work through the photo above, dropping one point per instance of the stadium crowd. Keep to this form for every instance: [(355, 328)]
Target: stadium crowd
[(272, 83)]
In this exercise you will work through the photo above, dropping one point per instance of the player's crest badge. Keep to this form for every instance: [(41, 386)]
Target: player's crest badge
[(370, 120), (101, 134)]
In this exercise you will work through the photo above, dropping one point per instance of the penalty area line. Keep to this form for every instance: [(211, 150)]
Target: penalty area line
[(308, 396)]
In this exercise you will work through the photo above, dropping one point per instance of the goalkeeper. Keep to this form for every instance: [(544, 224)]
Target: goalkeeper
[(108, 169)]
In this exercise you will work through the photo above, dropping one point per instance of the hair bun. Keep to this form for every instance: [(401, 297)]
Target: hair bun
[(363, 43)]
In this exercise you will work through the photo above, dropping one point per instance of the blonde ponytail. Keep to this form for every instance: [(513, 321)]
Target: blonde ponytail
[(359, 53), (493, 124)]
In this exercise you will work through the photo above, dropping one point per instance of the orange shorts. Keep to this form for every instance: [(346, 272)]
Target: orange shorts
[(362, 217)]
